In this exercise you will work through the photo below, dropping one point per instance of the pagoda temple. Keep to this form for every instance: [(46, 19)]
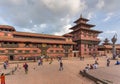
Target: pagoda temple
[(85, 38)]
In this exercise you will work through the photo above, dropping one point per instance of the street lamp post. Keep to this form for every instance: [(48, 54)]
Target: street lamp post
[(114, 39)]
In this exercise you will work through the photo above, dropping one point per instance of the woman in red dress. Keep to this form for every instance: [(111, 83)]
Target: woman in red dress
[(2, 77)]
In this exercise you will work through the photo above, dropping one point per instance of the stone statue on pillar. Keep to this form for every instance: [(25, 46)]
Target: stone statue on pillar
[(114, 39)]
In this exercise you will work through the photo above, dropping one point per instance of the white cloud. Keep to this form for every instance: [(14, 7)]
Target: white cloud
[(42, 25), (28, 30), (108, 16), (65, 30), (90, 15), (109, 32), (35, 26), (100, 4), (46, 16), (31, 21), (59, 5)]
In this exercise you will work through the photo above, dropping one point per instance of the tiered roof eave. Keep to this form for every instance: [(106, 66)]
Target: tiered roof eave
[(81, 18), (89, 25), (86, 30)]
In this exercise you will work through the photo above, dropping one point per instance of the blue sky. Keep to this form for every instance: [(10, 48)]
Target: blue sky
[(57, 16)]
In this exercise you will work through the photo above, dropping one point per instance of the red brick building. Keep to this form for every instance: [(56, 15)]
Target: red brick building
[(106, 48), (19, 45), (85, 37)]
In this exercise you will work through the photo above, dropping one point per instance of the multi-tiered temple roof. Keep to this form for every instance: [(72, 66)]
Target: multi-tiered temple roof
[(81, 24)]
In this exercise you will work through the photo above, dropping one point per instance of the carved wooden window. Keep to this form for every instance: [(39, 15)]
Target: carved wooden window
[(34, 45), (51, 51), (107, 51), (89, 34), (5, 34), (61, 51), (85, 45), (34, 51), (57, 46), (26, 44), (85, 49), (1, 51), (85, 34), (89, 49), (27, 51), (44, 45), (5, 42), (70, 50), (94, 35), (10, 51), (89, 46), (57, 51), (19, 51)]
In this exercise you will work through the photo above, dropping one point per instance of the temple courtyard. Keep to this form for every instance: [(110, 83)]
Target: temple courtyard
[(50, 74)]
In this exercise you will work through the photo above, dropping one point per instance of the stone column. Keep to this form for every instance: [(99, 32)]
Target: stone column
[(114, 39)]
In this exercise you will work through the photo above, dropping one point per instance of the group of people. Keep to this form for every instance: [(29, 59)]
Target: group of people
[(91, 66), (40, 62)]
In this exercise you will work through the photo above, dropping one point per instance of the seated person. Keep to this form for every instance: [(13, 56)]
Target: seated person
[(91, 66), (87, 68), (117, 62), (95, 66)]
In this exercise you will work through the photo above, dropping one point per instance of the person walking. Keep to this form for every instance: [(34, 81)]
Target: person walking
[(51, 60), (2, 77), (5, 65), (61, 66), (25, 67), (108, 62), (39, 62)]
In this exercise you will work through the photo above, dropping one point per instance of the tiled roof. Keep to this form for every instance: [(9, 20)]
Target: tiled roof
[(101, 46), (108, 46), (117, 46), (30, 40), (37, 35), (90, 39), (81, 18), (89, 25), (87, 30), (7, 27)]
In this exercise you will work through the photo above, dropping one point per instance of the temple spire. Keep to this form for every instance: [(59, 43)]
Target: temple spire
[(80, 15)]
